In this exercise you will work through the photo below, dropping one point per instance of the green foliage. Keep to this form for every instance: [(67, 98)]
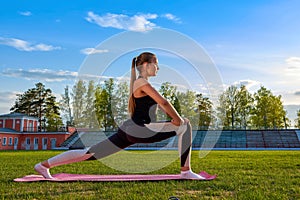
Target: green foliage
[(89, 114), (246, 101), (268, 111), (109, 86), (189, 107), (40, 102), (235, 106), (99, 106), (239, 109), (297, 121), (169, 92), (195, 107), (65, 106), (78, 103), (228, 107), (241, 175), (52, 117), (101, 102), (120, 103), (206, 117)]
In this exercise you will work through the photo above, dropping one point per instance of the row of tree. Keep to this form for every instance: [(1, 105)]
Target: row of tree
[(104, 106), (240, 109)]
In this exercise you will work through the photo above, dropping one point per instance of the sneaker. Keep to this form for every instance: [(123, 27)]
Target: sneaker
[(191, 175), (42, 170)]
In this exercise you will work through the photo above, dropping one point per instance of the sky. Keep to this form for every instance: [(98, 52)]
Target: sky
[(255, 43)]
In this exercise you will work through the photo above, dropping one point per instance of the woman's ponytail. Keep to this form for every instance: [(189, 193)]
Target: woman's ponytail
[(131, 103)]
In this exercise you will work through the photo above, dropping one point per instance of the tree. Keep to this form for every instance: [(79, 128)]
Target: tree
[(188, 106), (89, 114), (39, 102), (103, 105), (169, 92), (52, 116), (109, 86), (279, 117), (101, 102), (205, 111), (268, 111), (297, 121), (65, 107), (245, 105), (120, 102), (235, 107), (79, 103), (228, 106)]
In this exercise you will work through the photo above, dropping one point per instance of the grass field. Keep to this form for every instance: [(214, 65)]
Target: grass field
[(241, 175)]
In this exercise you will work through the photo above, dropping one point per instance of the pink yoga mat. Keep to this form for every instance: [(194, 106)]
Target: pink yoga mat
[(63, 177)]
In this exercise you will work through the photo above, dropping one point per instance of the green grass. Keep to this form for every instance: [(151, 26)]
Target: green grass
[(241, 175)]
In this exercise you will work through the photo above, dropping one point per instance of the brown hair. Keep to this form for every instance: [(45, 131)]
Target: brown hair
[(136, 63)]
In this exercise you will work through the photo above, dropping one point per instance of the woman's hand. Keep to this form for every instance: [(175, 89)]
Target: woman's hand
[(177, 122)]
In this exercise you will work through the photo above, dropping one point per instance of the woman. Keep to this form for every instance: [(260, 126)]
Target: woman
[(140, 128)]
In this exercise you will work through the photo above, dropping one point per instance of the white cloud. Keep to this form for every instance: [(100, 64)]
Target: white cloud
[(250, 84), (41, 74), (7, 99), (172, 17), (89, 51), (25, 13), (48, 75), (23, 45), (138, 22), (292, 69), (289, 97), (293, 63)]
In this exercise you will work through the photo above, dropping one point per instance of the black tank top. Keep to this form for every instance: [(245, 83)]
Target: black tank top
[(145, 110)]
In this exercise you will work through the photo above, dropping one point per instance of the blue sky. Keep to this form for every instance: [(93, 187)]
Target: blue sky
[(251, 42)]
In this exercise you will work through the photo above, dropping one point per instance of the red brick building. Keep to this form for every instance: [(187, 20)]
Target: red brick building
[(20, 132)]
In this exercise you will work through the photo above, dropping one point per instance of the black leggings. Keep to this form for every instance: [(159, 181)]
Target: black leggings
[(129, 133)]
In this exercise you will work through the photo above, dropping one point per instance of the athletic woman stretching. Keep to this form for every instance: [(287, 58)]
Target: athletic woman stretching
[(140, 128)]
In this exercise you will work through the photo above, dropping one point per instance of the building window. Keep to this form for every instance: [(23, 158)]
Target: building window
[(45, 143), (30, 127), (10, 141), (36, 143), (4, 141), (53, 143), (27, 144), (28, 141), (16, 141)]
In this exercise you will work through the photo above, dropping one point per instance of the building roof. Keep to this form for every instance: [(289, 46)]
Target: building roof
[(8, 130), (12, 131), (16, 115)]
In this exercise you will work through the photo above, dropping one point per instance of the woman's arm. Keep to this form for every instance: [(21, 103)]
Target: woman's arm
[(166, 106)]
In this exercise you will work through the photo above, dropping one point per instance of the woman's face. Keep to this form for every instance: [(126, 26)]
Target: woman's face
[(152, 67)]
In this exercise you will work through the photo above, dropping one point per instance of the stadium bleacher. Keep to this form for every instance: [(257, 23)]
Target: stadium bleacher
[(226, 139)]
